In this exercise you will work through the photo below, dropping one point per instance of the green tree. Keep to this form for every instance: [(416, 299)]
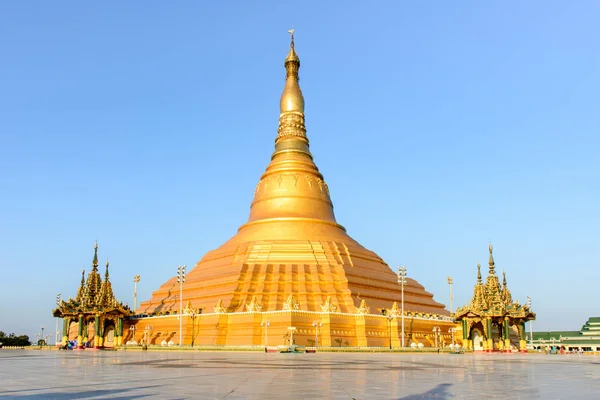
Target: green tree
[(14, 340)]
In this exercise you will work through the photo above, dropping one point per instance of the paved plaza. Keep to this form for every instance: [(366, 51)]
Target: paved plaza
[(230, 375)]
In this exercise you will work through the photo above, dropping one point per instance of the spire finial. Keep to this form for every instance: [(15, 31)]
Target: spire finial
[(95, 261), (478, 272), (292, 99), (291, 32), (491, 261), (504, 278), (106, 274)]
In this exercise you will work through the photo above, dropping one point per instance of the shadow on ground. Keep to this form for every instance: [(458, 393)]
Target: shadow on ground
[(84, 394), (438, 392)]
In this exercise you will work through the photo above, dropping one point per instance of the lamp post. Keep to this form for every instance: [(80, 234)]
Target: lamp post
[(436, 333), (449, 280), (191, 312), (402, 282), (136, 279), (530, 323), (266, 324), (42, 336), (181, 281), (317, 325), (56, 337)]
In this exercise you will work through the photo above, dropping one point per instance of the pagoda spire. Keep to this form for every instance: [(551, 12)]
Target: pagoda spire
[(479, 281), (292, 188)]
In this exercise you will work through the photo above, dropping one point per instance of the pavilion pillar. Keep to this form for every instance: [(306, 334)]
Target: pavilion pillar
[(467, 341), (80, 332), (119, 332), (86, 333), (522, 337), (97, 332), (490, 341), (65, 335), (101, 335), (506, 326)]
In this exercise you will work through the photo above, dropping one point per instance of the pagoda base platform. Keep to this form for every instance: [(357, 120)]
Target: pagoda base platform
[(272, 328)]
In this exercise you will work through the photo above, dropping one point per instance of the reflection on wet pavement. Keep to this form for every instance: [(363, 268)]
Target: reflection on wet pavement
[(205, 375)]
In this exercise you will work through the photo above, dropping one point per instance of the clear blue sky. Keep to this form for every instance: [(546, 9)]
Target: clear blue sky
[(438, 126)]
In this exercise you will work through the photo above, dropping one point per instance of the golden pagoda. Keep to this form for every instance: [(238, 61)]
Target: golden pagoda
[(291, 265), (492, 321)]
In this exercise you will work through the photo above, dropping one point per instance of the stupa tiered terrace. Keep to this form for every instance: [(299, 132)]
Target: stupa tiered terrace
[(291, 265)]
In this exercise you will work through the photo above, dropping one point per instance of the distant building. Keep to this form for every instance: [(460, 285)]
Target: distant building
[(586, 339)]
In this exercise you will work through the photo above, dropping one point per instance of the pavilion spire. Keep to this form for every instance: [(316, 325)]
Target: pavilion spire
[(94, 281), (491, 261), (106, 296), (81, 290), (95, 260), (506, 296)]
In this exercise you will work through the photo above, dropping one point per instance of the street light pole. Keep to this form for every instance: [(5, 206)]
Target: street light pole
[(56, 337), (451, 295), (317, 324), (402, 282), (530, 323), (181, 280), (136, 279), (266, 325)]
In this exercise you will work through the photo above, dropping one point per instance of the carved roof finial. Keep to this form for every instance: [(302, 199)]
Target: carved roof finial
[(479, 272), (491, 261), (95, 260)]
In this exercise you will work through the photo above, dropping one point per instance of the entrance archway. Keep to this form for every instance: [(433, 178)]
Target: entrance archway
[(109, 336), (478, 339)]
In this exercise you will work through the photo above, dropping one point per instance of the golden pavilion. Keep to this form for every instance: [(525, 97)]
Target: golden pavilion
[(492, 321), (94, 314)]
